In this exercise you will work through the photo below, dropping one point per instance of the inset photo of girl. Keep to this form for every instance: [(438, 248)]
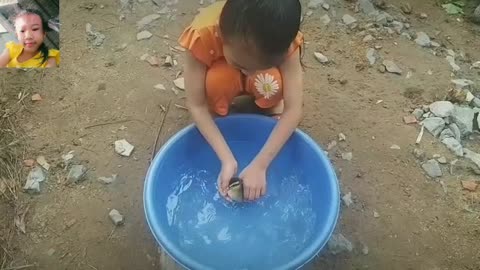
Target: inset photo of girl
[(29, 34)]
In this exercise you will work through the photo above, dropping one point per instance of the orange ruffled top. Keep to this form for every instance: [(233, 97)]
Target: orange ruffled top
[(202, 37)]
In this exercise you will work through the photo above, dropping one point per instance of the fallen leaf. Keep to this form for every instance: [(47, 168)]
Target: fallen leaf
[(469, 185), (36, 97)]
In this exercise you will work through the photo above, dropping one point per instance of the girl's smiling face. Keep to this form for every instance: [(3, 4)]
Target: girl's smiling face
[(30, 32)]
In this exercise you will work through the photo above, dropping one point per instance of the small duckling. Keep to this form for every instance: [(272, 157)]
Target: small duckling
[(235, 189)]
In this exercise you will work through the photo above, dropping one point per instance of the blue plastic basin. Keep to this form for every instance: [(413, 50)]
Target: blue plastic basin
[(283, 230)]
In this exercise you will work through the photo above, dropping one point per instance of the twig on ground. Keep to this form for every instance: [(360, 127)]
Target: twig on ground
[(160, 130), (108, 123), (19, 267)]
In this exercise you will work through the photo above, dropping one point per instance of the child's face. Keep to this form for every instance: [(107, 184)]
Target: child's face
[(30, 32)]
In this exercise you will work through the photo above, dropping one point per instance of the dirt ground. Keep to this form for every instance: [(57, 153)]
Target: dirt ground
[(418, 226)]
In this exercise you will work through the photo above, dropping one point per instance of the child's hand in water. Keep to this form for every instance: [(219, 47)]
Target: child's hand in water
[(254, 179), (229, 170)]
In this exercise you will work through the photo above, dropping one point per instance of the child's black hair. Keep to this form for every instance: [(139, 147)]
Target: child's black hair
[(43, 48), (271, 25)]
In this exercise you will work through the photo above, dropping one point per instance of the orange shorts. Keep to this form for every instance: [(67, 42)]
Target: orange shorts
[(223, 83)]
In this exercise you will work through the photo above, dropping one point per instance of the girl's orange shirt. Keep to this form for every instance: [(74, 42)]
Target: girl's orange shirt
[(202, 37)]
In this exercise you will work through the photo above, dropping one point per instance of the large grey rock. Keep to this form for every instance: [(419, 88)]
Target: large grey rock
[(348, 19), (116, 217), (367, 7), (35, 176), (451, 61), (472, 156), (145, 21), (441, 108), (338, 244), (398, 26), (461, 83), (325, 19), (456, 131), (476, 15), (418, 113), (434, 125), (371, 56), (432, 168), (463, 116), (453, 145), (423, 39), (446, 133)]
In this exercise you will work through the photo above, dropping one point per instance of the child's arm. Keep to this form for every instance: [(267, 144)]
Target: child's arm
[(254, 176), (4, 58), (195, 73), (292, 76), (51, 62)]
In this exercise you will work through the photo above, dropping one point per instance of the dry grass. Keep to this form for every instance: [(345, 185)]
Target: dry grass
[(11, 174)]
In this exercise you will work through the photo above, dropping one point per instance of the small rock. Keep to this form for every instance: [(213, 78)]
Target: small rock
[(342, 137), (28, 162), (381, 19), (309, 13), (435, 44), (461, 83), (423, 15), (418, 113), (124, 148), (338, 244), (169, 62), (371, 56), (475, 65), (34, 178), (347, 199), (160, 87), (406, 35), (325, 6), (76, 173), (348, 20), (406, 8), (398, 26), (180, 83), (395, 147), (442, 160), (50, 252), (108, 180), (451, 61), (381, 69), (331, 145), (116, 217), (469, 185), (320, 57), (432, 168), (144, 35), (314, 4), (347, 156), (472, 156), (364, 249), (325, 19), (434, 125), (368, 38), (43, 162), (144, 57), (367, 7), (410, 119), (389, 30), (454, 146), (391, 67), (145, 21), (423, 39), (36, 97), (95, 38), (376, 214), (70, 223), (153, 60), (442, 108), (419, 153)]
